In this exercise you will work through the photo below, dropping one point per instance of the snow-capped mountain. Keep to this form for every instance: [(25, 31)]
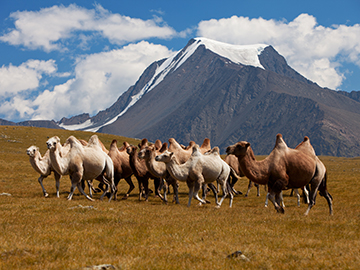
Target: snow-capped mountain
[(238, 54), (229, 93)]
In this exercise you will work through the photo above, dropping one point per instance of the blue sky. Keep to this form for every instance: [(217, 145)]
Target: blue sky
[(63, 58)]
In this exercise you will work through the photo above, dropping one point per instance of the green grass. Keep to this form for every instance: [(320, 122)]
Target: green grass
[(53, 233)]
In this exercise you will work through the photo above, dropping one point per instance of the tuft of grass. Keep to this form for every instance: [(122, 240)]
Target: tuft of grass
[(53, 233)]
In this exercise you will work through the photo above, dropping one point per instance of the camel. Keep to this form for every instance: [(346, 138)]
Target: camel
[(183, 153), (42, 165), (319, 180), (197, 170), (158, 169), (122, 168), (284, 168), (82, 163), (141, 172)]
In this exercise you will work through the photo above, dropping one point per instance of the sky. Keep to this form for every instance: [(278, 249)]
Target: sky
[(63, 58)]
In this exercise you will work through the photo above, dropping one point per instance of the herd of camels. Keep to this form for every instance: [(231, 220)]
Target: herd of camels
[(170, 163)]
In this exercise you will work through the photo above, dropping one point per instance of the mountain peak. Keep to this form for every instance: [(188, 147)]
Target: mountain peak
[(247, 55)]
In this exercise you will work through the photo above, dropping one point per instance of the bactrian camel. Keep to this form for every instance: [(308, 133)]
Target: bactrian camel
[(183, 153), (141, 172), (284, 168), (158, 169), (199, 169), (42, 165), (122, 168), (82, 163)]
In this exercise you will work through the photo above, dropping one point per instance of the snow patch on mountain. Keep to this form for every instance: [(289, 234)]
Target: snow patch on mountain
[(238, 54)]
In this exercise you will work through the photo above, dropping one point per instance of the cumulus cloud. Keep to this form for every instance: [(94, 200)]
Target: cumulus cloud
[(14, 79), (49, 28), (99, 79), (311, 49)]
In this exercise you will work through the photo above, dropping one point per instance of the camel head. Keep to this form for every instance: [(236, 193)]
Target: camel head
[(131, 149), (238, 149), (146, 152), (165, 157), (31, 151), (52, 142)]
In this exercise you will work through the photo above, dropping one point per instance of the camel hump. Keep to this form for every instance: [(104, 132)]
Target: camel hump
[(206, 143), (196, 150), (215, 150), (163, 147), (143, 143), (280, 141), (158, 144), (306, 138)]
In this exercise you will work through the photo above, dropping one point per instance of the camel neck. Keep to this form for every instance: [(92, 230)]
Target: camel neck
[(176, 170), (256, 171)]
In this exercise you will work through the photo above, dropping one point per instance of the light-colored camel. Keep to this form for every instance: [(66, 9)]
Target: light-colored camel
[(319, 181), (158, 169), (284, 168), (42, 165), (197, 170), (82, 163), (122, 168), (183, 154), (141, 172)]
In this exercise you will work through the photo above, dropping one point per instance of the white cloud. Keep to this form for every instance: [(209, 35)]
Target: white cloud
[(49, 28), (311, 49), (99, 80), (14, 79)]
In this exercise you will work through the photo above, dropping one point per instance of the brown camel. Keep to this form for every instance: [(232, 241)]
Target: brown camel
[(284, 168), (141, 172), (158, 169), (82, 163), (122, 168)]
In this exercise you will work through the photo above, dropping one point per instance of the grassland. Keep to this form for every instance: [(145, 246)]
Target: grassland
[(53, 233)]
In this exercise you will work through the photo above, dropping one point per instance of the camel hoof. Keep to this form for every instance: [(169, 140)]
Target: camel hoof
[(217, 206), (46, 195), (281, 210)]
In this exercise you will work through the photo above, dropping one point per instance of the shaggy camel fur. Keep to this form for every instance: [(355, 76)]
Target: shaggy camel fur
[(141, 172), (122, 168), (82, 163), (197, 170), (42, 165), (284, 168), (158, 169)]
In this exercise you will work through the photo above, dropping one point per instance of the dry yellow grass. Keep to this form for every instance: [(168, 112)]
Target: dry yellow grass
[(52, 233)]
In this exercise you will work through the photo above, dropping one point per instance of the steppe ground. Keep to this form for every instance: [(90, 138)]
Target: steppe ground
[(53, 233)]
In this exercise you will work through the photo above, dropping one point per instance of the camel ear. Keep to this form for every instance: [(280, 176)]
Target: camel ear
[(247, 144)]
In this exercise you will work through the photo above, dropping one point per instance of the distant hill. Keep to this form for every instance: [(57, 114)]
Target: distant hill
[(230, 93)]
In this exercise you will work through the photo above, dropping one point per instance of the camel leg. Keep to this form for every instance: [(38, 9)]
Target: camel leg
[(131, 187), (158, 184), (214, 190), (40, 179), (57, 184), (306, 195), (196, 189), (296, 191), (249, 187), (80, 188), (225, 193), (72, 190), (258, 190), (324, 193), (191, 191), (279, 208)]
